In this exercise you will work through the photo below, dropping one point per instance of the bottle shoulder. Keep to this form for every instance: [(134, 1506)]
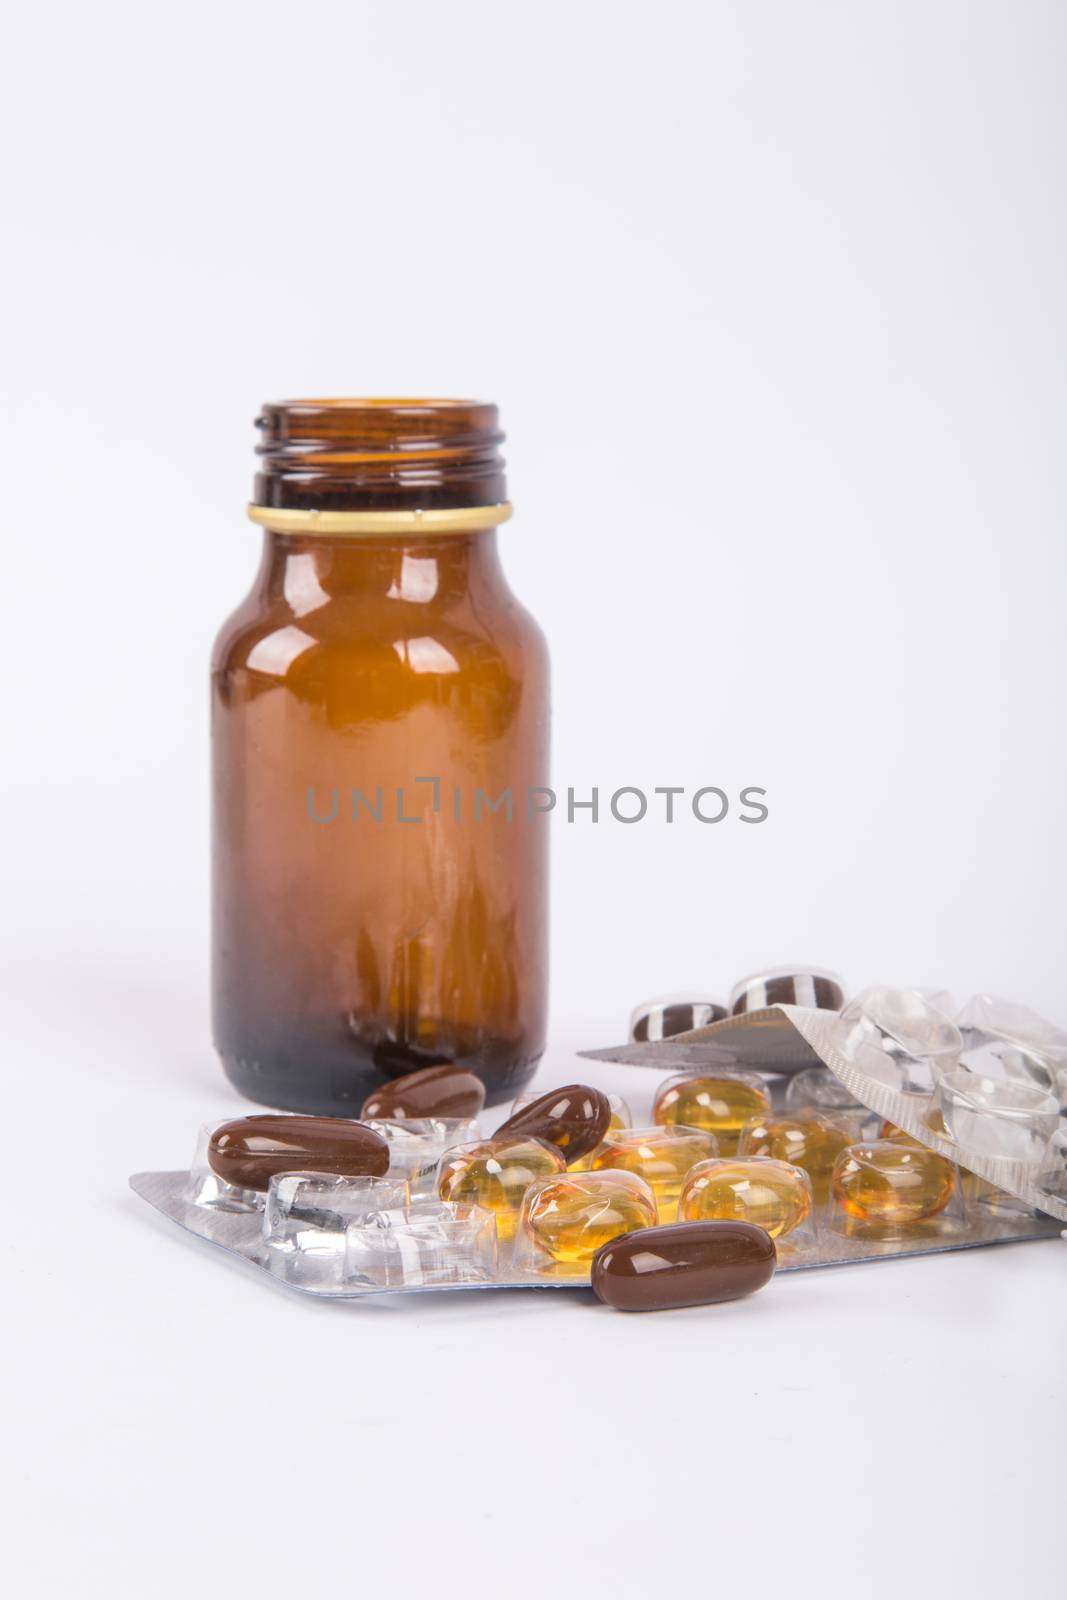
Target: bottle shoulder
[(266, 635)]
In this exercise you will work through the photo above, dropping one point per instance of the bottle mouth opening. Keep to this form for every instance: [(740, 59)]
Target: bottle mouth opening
[(371, 403), (379, 454)]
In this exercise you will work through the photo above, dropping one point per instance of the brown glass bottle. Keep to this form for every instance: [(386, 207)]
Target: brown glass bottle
[(380, 742)]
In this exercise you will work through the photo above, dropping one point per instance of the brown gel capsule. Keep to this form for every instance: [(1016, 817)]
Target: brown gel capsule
[(574, 1119), (683, 1264), (443, 1091), (252, 1150)]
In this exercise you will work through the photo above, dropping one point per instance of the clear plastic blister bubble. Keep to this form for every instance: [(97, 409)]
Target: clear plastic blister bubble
[(426, 1245), (565, 1220), (818, 1088), (416, 1145), (661, 1155), (999, 1117), (938, 1000), (804, 1137), (885, 1190), (721, 1103), (896, 1036), (1002, 1039), (1003, 1128), (774, 1195), (309, 1212), (999, 1058), (306, 1219), (206, 1188), (495, 1175)]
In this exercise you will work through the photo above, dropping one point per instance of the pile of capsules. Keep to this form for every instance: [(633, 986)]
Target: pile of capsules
[(411, 1195), (697, 1207)]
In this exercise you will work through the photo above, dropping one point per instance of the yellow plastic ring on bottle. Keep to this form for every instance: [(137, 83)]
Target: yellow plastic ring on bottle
[(354, 524)]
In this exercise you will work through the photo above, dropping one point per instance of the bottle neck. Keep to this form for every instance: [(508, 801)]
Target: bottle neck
[(308, 570), (375, 455)]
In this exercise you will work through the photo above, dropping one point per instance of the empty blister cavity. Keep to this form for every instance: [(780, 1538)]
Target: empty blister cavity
[(819, 1089), (772, 1195), (310, 1211), (986, 1018), (939, 1000), (1002, 1039), (566, 1220), (428, 1245), (719, 1103), (306, 1218), (1000, 1058), (416, 1145), (897, 1038), (998, 1117)]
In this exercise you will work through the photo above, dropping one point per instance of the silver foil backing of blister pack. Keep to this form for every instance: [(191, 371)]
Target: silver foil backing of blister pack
[(757, 1038), (240, 1233)]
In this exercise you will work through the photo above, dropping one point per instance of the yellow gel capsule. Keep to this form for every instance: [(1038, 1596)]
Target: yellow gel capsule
[(495, 1174), (662, 1156), (892, 1183), (721, 1105), (808, 1139), (571, 1217), (772, 1194)]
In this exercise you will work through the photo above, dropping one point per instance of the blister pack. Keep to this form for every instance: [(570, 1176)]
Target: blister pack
[(877, 1130)]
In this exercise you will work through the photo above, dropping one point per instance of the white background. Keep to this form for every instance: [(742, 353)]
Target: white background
[(771, 300)]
